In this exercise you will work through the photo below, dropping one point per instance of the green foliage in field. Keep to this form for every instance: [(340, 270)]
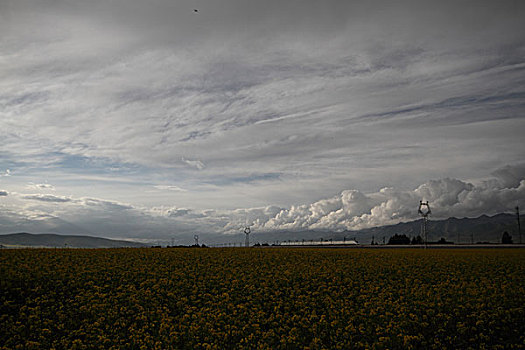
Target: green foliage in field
[(261, 299)]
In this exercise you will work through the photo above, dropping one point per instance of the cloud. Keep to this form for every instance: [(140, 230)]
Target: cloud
[(353, 210), (170, 188), (218, 99), (103, 204), (194, 163), (510, 176), (40, 186), (46, 198), (176, 212)]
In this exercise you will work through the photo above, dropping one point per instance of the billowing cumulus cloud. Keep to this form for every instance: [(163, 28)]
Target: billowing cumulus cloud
[(509, 176), (353, 210)]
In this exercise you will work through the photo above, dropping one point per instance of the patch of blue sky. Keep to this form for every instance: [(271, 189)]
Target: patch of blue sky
[(7, 162), (92, 165)]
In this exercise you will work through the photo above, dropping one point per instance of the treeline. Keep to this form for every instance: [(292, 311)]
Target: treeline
[(405, 240), (182, 246)]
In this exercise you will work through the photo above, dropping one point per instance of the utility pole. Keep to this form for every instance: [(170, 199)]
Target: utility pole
[(518, 217)]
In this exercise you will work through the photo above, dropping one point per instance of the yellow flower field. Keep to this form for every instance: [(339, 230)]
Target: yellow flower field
[(262, 298)]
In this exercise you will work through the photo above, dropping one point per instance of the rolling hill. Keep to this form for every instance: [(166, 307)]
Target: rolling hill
[(50, 240)]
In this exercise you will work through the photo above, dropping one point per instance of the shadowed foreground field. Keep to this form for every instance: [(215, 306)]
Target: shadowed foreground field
[(261, 298)]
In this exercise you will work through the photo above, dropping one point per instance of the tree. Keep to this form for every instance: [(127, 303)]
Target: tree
[(443, 241), (417, 240), (399, 239), (506, 238)]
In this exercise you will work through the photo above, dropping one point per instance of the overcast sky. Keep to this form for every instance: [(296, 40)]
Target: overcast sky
[(144, 119)]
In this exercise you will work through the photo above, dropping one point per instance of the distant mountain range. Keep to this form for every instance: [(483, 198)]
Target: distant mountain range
[(50, 240), (466, 230)]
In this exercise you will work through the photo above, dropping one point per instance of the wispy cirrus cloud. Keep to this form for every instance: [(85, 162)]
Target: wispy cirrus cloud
[(170, 188), (46, 198)]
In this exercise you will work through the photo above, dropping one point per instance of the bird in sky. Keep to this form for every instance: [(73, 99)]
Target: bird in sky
[(195, 10)]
